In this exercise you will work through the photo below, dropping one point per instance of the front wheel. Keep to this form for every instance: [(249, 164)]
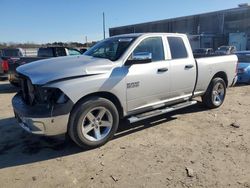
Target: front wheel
[(94, 122), (215, 94)]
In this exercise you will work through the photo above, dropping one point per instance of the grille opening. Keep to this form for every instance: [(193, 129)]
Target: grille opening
[(27, 90)]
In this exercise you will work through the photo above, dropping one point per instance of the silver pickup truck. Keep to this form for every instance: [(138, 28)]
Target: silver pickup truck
[(133, 76)]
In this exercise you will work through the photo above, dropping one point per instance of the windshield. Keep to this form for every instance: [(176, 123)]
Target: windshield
[(243, 58), (112, 48)]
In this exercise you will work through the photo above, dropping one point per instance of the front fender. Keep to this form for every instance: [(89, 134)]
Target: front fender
[(78, 88)]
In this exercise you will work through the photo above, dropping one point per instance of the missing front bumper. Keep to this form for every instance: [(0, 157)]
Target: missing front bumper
[(38, 120), (44, 126)]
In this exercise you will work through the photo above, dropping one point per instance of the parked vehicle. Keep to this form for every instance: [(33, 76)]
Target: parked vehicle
[(134, 76), (4, 67), (243, 67), (43, 53), (12, 52), (226, 50), (83, 50), (56, 52), (6, 55), (201, 52)]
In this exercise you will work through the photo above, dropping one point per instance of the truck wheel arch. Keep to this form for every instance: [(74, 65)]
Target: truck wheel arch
[(107, 95), (221, 75)]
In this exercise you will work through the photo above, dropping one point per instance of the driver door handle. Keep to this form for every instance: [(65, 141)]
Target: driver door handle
[(189, 66), (162, 70)]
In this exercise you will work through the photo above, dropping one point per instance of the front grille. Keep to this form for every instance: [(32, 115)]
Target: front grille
[(27, 90)]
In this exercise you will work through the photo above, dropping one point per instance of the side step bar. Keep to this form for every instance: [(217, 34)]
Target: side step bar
[(157, 112)]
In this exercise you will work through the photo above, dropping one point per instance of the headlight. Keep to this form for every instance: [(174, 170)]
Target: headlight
[(50, 96), (62, 99)]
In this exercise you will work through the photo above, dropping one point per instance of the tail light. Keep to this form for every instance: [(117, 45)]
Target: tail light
[(5, 65)]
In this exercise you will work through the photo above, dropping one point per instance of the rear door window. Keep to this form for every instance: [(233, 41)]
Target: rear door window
[(60, 52), (177, 47), (45, 52)]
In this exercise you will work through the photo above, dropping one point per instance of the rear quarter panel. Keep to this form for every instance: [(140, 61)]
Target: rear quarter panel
[(208, 67)]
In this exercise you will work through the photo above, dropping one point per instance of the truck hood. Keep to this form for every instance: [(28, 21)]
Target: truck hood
[(48, 70)]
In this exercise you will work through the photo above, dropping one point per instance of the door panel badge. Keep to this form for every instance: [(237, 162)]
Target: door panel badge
[(133, 85)]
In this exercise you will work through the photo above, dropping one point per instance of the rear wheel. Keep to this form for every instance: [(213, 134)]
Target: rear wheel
[(95, 121), (215, 94)]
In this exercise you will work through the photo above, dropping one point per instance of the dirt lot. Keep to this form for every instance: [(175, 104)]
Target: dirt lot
[(152, 153)]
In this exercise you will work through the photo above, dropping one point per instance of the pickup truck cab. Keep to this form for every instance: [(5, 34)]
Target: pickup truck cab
[(56, 52), (134, 76), (226, 50)]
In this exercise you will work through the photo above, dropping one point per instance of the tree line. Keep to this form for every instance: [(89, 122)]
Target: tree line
[(36, 45)]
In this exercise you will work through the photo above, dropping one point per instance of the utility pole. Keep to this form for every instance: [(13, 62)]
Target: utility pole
[(86, 39), (103, 20)]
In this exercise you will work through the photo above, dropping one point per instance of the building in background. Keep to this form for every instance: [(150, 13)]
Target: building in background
[(209, 30)]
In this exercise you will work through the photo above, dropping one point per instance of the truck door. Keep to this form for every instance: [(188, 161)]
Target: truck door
[(147, 82), (183, 68)]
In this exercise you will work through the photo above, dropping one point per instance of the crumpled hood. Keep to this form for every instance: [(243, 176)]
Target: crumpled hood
[(48, 70)]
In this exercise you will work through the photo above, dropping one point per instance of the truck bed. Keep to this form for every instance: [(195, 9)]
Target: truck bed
[(208, 55), (209, 66)]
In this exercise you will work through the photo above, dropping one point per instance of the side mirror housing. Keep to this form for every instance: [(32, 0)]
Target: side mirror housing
[(139, 58)]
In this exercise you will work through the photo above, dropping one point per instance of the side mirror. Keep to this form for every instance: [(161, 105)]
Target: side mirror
[(139, 58)]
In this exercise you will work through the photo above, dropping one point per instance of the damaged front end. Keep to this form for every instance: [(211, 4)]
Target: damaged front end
[(41, 110), (36, 94)]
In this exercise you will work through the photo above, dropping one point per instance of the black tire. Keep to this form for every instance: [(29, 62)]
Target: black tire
[(79, 116), (209, 96)]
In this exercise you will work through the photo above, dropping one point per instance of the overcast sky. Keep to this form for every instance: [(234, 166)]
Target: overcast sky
[(45, 21)]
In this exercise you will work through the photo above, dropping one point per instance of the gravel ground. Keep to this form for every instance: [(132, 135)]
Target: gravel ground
[(193, 147)]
